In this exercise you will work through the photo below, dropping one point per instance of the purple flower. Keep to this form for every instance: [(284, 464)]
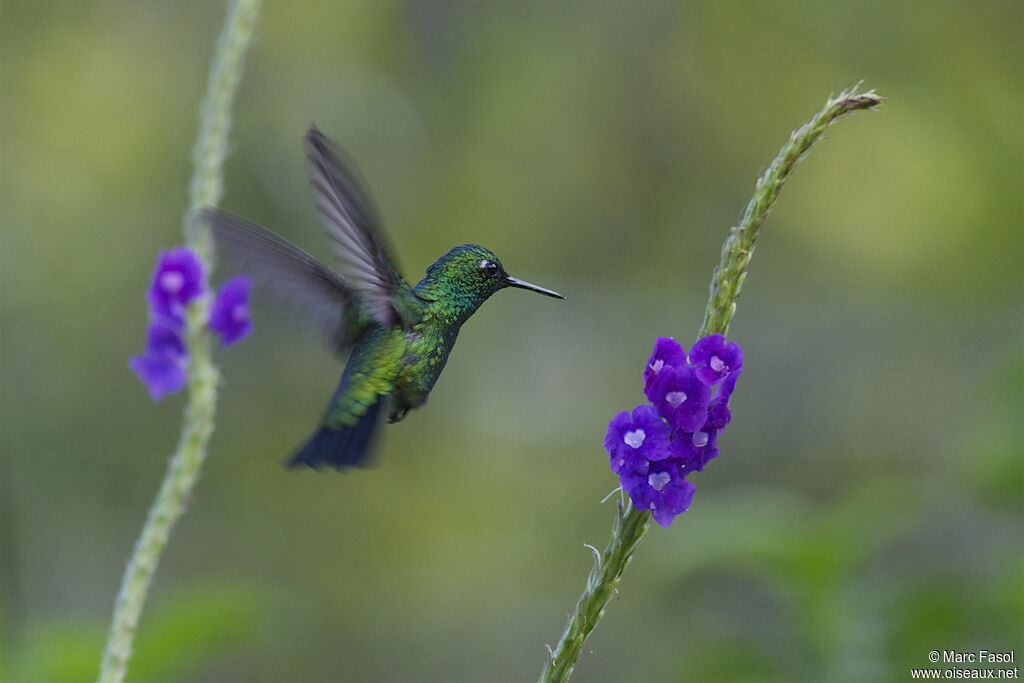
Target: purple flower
[(229, 316), (662, 490), (719, 414), (162, 367), (177, 279), (632, 441), (680, 397), (692, 450), (727, 386), (654, 448), (703, 447), (164, 340), (713, 358), (667, 352)]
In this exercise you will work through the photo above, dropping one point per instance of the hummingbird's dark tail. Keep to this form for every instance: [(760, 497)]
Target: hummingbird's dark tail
[(339, 448)]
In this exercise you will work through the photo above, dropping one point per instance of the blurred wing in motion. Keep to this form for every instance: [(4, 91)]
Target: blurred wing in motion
[(289, 273), (352, 227)]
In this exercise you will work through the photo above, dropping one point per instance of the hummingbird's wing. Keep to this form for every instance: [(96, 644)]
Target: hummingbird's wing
[(353, 229), (290, 274)]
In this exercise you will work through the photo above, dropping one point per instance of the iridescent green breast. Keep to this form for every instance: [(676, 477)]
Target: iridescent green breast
[(426, 352)]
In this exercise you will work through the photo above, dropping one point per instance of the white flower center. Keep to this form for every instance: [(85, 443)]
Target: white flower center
[(658, 480), (675, 398), (700, 439), (635, 438), (717, 364), (657, 365), (239, 313), (172, 281)]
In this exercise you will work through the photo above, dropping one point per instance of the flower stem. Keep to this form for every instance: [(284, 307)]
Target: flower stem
[(211, 146), (737, 250), (630, 525), (203, 375)]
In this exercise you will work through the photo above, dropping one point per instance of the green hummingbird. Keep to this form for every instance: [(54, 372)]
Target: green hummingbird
[(399, 336)]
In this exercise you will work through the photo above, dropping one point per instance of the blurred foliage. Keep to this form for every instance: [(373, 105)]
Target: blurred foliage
[(187, 632), (867, 506)]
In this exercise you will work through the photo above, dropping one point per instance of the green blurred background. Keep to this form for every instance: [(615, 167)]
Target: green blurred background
[(868, 504)]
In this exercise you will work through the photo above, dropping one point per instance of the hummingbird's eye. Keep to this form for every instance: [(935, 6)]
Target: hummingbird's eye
[(490, 268)]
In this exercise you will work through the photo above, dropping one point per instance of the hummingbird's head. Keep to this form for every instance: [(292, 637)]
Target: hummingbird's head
[(469, 274)]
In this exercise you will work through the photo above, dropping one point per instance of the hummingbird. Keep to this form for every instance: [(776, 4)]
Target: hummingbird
[(399, 337)]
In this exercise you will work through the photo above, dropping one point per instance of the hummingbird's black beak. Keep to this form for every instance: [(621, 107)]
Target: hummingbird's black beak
[(522, 284)]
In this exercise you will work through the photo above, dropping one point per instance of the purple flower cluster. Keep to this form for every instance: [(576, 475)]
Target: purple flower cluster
[(178, 279), (654, 448)]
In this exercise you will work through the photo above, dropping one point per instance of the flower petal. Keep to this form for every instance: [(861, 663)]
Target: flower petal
[(178, 278), (688, 420), (633, 439), (719, 414), (161, 373), (229, 316), (667, 352), (679, 391), (641, 494), (163, 340), (705, 347), (678, 498), (732, 354), (728, 385), (713, 358)]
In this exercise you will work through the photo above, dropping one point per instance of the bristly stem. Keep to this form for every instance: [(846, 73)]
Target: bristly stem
[(631, 524), (628, 529), (738, 248), (207, 183), (203, 375)]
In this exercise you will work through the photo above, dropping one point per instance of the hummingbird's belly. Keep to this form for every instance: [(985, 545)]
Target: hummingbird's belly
[(425, 357)]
